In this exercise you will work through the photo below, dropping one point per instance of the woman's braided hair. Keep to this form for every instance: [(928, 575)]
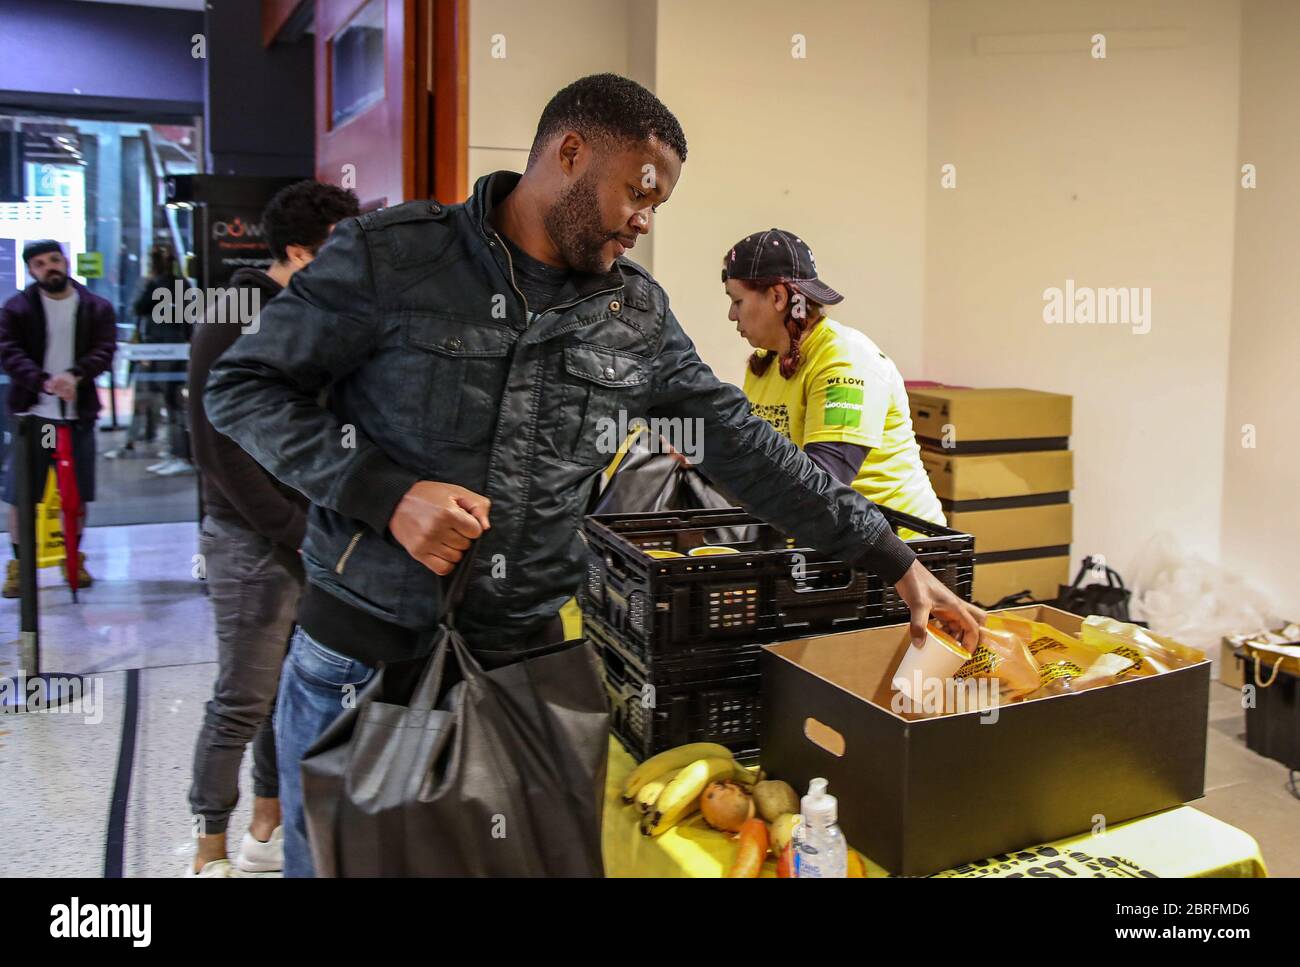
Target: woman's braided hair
[(796, 325)]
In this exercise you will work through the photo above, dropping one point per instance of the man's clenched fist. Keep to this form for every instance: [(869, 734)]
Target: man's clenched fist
[(436, 522)]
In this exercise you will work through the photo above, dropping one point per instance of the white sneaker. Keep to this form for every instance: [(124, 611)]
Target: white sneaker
[(155, 467), (175, 467), (258, 857), (214, 869), (179, 467)]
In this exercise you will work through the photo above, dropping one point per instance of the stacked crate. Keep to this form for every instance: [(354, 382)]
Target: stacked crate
[(680, 635), (1000, 463)]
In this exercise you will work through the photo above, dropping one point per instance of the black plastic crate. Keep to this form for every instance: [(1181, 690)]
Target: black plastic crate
[(681, 702), (769, 591), (732, 660), (1273, 724)]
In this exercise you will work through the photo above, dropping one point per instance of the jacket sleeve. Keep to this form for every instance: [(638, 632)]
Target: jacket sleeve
[(103, 344), (225, 465), (264, 391), (14, 359), (767, 473)]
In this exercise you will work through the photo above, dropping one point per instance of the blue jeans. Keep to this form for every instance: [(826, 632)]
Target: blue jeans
[(311, 696)]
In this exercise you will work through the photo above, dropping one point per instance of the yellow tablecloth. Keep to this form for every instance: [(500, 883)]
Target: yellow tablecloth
[(1181, 842)]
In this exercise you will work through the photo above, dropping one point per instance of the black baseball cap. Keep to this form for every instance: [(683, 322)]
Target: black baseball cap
[(40, 247), (778, 256)]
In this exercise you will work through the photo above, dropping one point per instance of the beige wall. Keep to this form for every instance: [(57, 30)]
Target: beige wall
[(1114, 172), (543, 53), (831, 146), (839, 157), (1261, 521), (547, 44)]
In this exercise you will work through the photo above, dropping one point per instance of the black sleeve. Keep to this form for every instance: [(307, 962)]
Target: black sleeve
[(839, 459), (265, 391), (225, 465)]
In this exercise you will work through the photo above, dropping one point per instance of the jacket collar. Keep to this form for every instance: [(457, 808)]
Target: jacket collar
[(248, 277), (489, 191), (33, 294)]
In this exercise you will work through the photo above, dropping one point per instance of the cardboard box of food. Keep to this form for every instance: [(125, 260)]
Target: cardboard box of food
[(966, 420), (1015, 528), (986, 475), (919, 796), (1040, 576)]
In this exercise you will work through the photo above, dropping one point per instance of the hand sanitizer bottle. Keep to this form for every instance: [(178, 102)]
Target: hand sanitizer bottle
[(819, 847)]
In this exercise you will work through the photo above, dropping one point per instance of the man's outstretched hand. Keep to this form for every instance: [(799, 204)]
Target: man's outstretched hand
[(437, 522), (927, 596)]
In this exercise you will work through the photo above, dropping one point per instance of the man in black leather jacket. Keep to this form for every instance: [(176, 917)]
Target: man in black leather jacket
[(462, 410)]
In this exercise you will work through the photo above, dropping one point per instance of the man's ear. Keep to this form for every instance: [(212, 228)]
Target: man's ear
[(298, 255), (570, 152)]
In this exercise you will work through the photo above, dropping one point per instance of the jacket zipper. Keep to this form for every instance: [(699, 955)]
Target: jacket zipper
[(511, 264), (352, 544)]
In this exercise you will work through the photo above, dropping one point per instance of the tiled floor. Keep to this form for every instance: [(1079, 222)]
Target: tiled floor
[(147, 612)]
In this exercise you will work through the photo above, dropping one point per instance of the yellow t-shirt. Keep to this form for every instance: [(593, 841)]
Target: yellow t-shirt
[(847, 391)]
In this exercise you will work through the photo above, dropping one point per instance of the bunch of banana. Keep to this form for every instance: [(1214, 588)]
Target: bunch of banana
[(666, 788), (680, 798), (649, 793)]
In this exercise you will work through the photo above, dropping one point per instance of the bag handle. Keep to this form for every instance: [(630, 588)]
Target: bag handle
[(1277, 667), (454, 592), (1096, 564), (429, 687), (1085, 566)]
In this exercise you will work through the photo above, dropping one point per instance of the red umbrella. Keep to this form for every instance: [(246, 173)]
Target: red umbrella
[(65, 472)]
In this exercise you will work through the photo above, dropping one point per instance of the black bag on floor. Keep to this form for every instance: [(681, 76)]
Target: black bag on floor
[(1107, 597), (468, 773)]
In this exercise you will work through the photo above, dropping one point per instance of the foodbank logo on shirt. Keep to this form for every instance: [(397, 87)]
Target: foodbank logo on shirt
[(843, 406)]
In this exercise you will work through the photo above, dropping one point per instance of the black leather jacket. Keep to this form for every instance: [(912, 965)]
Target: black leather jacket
[(409, 316)]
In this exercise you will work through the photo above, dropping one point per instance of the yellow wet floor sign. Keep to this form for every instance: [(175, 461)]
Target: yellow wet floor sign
[(49, 525)]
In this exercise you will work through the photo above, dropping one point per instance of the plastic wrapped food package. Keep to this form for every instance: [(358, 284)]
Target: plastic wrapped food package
[(1029, 660), (1066, 664), (1154, 653), (1005, 657)]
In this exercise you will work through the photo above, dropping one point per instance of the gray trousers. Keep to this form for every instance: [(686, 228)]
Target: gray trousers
[(254, 586)]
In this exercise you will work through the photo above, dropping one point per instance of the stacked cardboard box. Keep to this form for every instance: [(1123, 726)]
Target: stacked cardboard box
[(1000, 463)]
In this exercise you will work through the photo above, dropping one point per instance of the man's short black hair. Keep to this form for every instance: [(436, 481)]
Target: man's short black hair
[(302, 214), (608, 106)]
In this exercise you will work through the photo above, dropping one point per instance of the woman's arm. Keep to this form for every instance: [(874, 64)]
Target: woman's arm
[(841, 460)]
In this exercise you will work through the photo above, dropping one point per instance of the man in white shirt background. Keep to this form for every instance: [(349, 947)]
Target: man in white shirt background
[(56, 336)]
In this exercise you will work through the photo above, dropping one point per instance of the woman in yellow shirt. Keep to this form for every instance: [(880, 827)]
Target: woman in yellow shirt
[(824, 385)]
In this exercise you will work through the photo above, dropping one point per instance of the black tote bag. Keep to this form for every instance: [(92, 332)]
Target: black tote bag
[(471, 772), (648, 479), (1109, 597)]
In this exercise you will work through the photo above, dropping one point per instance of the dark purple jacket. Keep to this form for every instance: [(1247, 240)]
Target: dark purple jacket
[(22, 347)]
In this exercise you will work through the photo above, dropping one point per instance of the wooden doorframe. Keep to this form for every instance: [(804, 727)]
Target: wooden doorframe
[(441, 156)]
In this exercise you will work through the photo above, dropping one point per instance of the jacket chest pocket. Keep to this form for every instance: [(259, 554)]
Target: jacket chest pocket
[(454, 374), (604, 389)]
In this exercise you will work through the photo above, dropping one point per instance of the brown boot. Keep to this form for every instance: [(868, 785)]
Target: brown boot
[(11, 589), (84, 580)]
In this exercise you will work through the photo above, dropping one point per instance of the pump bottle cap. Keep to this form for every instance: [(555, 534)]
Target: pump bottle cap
[(819, 806)]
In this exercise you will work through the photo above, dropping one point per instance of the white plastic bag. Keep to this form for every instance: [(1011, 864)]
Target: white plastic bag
[(1191, 600)]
